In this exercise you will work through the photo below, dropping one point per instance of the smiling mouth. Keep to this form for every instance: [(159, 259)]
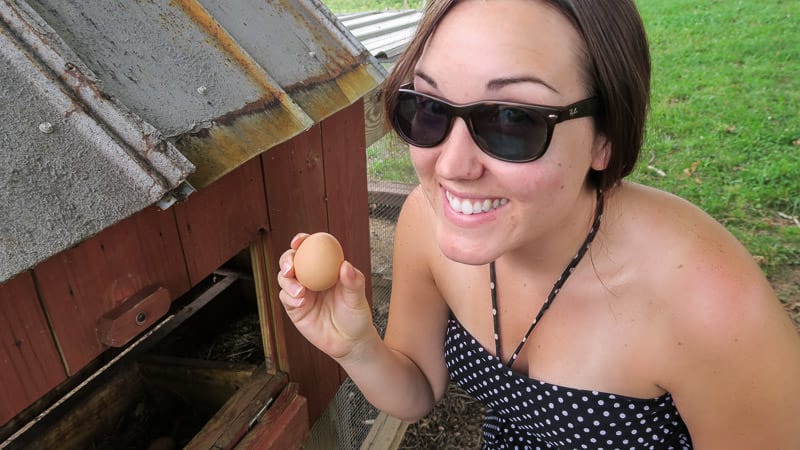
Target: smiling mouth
[(468, 206)]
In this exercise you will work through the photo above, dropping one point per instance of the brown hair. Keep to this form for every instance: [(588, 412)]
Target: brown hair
[(617, 70)]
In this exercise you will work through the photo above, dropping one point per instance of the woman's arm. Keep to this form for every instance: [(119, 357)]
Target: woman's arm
[(403, 375), (733, 355)]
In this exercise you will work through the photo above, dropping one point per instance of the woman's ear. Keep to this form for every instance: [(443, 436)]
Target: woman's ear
[(601, 152)]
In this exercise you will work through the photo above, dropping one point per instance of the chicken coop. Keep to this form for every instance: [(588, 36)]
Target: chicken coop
[(156, 157)]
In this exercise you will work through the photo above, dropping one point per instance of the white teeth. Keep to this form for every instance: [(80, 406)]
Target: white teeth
[(468, 207)]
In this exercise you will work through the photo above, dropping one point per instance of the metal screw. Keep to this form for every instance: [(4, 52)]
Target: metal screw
[(141, 318), (46, 127), (202, 90)]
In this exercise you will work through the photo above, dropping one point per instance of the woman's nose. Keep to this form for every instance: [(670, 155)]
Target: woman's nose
[(459, 155)]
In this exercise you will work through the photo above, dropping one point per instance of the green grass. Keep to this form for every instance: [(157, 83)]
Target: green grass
[(345, 6), (388, 159), (725, 119)]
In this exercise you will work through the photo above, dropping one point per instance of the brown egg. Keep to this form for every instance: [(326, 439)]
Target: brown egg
[(317, 261)]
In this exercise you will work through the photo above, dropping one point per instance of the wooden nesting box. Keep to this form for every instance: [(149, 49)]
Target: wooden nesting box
[(172, 137)]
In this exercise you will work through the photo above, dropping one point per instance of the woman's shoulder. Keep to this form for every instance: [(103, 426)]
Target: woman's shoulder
[(666, 228), (686, 258), (702, 278)]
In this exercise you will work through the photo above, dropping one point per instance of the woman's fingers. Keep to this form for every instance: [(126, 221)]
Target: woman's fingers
[(292, 301), (297, 239)]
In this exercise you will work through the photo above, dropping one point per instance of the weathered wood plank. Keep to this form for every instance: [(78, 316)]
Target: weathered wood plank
[(386, 433), (269, 316), (345, 156), (295, 183), (29, 358), (283, 427), (237, 412), (388, 193), (79, 285), (222, 219), (375, 125), (346, 185)]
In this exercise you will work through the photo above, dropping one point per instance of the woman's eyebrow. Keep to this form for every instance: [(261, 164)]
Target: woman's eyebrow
[(495, 84), (498, 83), (428, 79)]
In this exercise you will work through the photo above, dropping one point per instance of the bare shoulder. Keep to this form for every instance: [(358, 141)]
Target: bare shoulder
[(731, 354), (698, 272), (685, 251)]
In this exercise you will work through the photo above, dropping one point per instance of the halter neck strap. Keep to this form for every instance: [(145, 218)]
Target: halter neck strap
[(598, 214)]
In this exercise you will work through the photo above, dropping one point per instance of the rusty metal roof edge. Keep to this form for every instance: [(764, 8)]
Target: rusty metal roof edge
[(332, 23), (200, 14), (151, 148)]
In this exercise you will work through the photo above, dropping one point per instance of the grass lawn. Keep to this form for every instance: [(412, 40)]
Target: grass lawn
[(345, 6), (724, 129)]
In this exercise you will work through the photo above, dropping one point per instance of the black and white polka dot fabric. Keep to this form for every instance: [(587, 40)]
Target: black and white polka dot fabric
[(529, 414)]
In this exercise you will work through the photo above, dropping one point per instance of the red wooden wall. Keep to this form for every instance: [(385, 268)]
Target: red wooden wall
[(316, 181), (326, 169)]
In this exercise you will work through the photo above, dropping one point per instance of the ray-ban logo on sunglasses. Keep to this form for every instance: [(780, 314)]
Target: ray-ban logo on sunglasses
[(573, 111)]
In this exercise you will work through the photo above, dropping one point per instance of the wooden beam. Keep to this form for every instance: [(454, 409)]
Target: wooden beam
[(283, 427), (386, 433), (269, 314), (223, 430), (375, 126), (389, 193)]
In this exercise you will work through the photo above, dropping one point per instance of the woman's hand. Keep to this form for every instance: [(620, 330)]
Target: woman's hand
[(338, 320)]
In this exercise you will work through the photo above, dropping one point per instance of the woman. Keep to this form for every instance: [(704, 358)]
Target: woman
[(584, 311)]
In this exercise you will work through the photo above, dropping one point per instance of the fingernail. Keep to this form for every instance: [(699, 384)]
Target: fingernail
[(285, 266), (348, 269), (291, 243), (296, 290)]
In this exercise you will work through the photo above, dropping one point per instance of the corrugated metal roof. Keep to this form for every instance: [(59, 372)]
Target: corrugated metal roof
[(384, 33), (109, 106)]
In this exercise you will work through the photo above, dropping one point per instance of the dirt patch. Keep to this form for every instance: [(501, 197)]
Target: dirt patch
[(786, 282)]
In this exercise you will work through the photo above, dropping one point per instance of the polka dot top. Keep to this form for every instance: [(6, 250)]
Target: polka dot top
[(529, 414)]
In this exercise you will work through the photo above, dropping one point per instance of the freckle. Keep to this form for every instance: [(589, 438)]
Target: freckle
[(680, 266), (680, 343), (562, 187)]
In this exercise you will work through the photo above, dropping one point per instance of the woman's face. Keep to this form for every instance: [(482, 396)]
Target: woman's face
[(512, 50)]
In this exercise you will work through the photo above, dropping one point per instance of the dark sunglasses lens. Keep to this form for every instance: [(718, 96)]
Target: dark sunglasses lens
[(510, 133), (420, 120)]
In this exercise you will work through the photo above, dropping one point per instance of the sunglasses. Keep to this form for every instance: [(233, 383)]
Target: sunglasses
[(512, 132)]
